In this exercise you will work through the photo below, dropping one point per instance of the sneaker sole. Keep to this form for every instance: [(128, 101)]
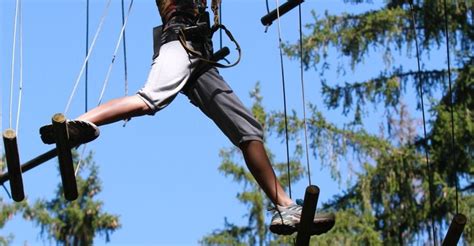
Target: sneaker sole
[(319, 227), (282, 229), (75, 134)]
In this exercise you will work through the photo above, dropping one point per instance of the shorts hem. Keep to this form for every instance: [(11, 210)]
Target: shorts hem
[(147, 100), (250, 138)]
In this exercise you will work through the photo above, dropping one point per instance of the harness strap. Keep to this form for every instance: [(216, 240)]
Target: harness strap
[(182, 39)]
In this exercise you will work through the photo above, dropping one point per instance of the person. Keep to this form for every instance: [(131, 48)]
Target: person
[(173, 71)]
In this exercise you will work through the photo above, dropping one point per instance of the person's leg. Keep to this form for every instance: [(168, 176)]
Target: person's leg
[(117, 109), (168, 75), (215, 99), (259, 165)]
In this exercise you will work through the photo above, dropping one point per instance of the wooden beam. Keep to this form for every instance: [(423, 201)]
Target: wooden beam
[(63, 149), (283, 9), (455, 230), (307, 215), (31, 164), (13, 164)]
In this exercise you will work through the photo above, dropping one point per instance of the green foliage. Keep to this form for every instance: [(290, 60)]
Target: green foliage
[(405, 182), (351, 229), (79, 221), (7, 210), (398, 185)]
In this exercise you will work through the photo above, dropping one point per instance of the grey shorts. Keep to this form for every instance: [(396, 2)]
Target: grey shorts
[(170, 74)]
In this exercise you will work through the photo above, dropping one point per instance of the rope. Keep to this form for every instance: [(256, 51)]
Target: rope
[(215, 10), (284, 99), (451, 106), (20, 88), (86, 94), (102, 20), (125, 66), (81, 160), (220, 21), (6, 190), (303, 95), (117, 46), (430, 172), (17, 7)]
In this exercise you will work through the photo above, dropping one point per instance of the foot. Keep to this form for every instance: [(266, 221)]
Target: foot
[(286, 220), (80, 132)]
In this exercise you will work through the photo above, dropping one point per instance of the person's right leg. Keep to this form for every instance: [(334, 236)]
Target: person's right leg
[(168, 75), (117, 109)]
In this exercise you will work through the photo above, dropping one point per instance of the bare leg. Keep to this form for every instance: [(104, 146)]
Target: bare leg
[(116, 109), (260, 167)]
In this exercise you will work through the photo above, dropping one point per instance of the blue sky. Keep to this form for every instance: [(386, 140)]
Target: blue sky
[(159, 173)]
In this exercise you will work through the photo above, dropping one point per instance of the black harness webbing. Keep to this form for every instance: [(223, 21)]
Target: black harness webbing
[(200, 32)]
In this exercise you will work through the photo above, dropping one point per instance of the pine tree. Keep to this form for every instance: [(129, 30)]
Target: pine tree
[(7, 211), (79, 221), (398, 193)]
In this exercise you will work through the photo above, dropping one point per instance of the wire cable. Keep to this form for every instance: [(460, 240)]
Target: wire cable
[(451, 106), (125, 66), (86, 76), (282, 67), (102, 20), (303, 94), (425, 147)]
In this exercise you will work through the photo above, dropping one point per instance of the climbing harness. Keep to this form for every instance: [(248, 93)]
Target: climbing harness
[(203, 29), (196, 30)]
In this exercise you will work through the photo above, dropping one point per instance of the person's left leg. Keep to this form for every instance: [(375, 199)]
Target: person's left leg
[(259, 165), (215, 98)]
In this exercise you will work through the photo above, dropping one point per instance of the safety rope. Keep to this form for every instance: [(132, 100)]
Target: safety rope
[(117, 46), (282, 67), (425, 147), (303, 94), (91, 48), (451, 102)]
